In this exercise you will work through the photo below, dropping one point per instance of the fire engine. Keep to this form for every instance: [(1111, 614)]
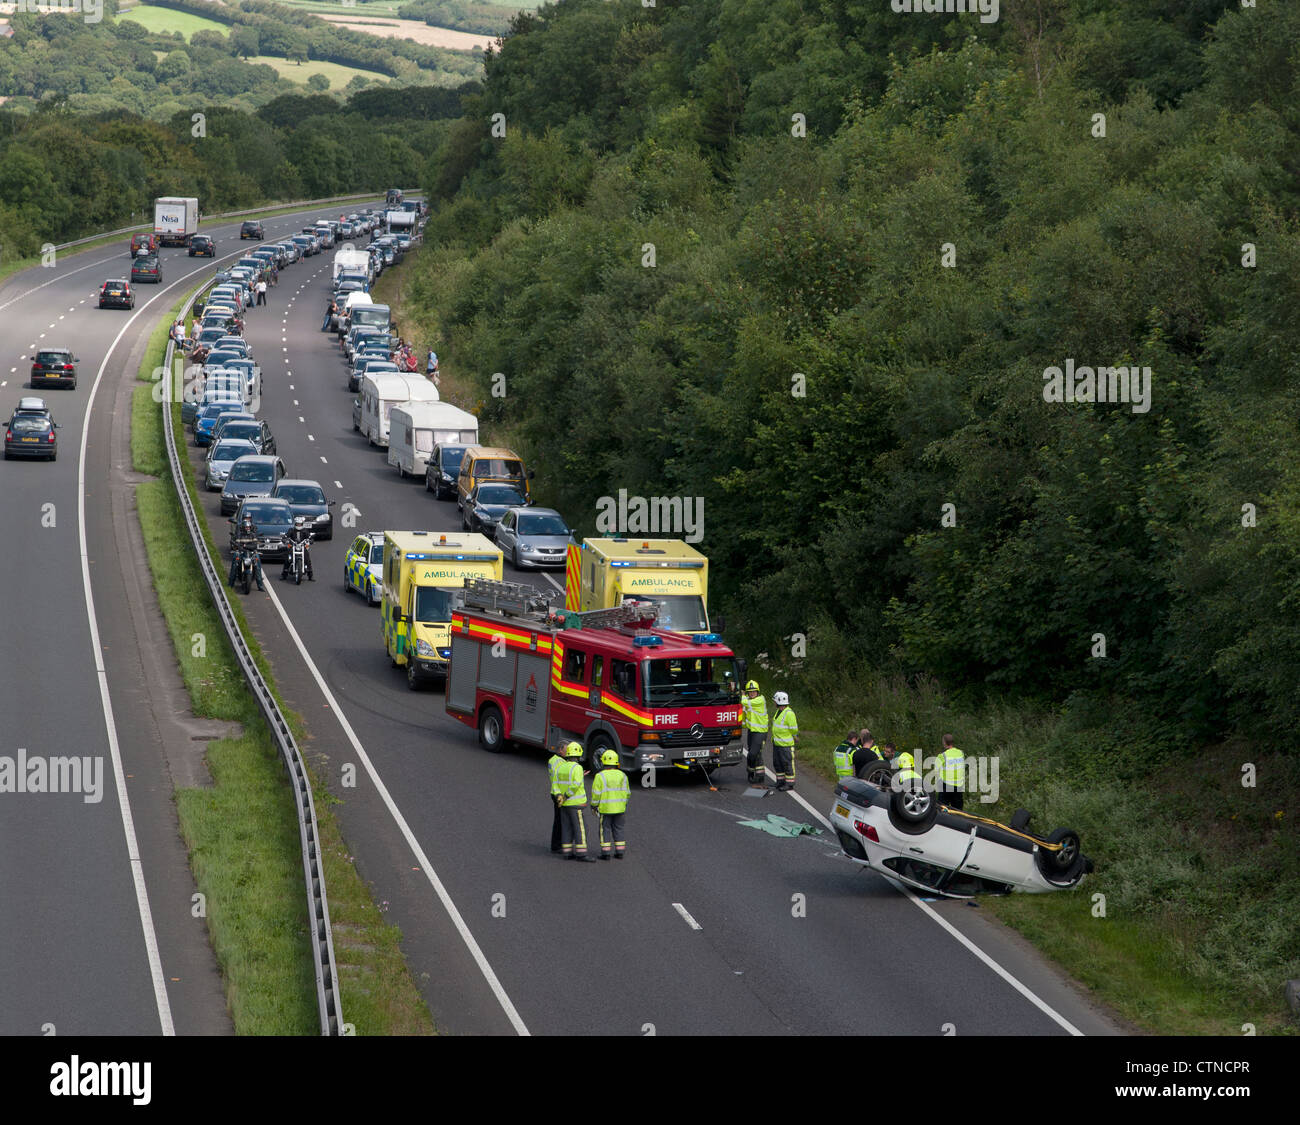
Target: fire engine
[(524, 670)]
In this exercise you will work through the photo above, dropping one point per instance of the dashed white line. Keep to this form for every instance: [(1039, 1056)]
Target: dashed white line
[(694, 925), (295, 402), (323, 461), (310, 438), (338, 484)]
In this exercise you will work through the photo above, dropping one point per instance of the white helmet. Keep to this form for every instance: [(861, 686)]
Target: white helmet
[(781, 699)]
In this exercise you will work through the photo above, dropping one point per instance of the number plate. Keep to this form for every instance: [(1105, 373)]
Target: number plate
[(840, 810), (696, 754), (31, 439)]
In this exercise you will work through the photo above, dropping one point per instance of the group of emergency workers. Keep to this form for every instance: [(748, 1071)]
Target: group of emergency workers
[(851, 758), (609, 796)]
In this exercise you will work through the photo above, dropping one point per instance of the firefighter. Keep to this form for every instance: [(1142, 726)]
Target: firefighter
[(573, 799), (609, 794), (754, 711), (952, 773), (553, 766), (906, 777), (785, 735)]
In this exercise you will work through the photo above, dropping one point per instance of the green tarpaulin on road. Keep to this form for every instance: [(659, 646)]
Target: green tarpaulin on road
[(780, 826)]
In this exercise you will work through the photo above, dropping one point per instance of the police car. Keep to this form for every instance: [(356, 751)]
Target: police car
[(363, 566), (908, 835)]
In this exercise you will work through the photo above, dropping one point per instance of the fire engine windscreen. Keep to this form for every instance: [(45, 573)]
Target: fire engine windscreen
[(433, 604), (695, 680), (682, 612)]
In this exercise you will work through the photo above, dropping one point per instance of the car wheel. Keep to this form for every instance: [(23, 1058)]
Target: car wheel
[(427, 486), (912, 810), (1019, 820), (514, 557), (878, 773), (54, 456), (1064, 866), (491, 729), (372, 596), (347, 586), (414, 680)]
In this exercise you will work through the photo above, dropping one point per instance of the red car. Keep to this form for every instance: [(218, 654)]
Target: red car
[(147, 242)]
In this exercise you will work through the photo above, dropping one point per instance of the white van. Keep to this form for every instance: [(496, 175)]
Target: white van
[(343, 318), (380, 393), (416, 427)]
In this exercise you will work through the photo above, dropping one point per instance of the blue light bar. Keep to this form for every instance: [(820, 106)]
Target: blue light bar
[(706, 639), (647, 642)]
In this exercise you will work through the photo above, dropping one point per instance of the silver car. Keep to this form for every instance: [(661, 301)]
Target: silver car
[(531, 537), (221, 457)]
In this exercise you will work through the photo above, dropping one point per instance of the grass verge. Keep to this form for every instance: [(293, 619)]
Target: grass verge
[(242, 833)]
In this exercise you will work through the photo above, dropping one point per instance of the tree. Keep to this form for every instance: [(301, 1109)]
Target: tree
[(318, 82)]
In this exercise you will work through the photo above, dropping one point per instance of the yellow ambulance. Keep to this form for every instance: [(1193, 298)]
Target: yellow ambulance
[(421, 574), (604, 573)]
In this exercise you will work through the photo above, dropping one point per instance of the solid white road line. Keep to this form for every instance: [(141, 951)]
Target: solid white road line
[(458, 921), (694, 925), (119, 774), (934, 916)]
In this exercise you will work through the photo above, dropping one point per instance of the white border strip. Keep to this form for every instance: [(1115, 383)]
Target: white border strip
[(476, 952), (119, 775)]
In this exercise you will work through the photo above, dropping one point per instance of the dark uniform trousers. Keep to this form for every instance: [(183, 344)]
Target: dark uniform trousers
[(755, 760)]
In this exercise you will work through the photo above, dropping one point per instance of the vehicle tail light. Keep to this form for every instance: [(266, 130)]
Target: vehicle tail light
[(67, 367), (51, 436), (867, 830), (9, 435)]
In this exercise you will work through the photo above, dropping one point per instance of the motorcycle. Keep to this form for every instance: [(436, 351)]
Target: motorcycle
[(244, 570), (298, 557)]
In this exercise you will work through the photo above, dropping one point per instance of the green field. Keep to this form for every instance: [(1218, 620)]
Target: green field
[(168, 20), (338, 74)]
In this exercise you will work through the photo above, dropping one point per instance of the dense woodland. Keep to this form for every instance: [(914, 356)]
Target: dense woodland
[(1164, 235)]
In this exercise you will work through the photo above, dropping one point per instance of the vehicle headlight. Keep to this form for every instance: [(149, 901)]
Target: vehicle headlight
[(323, 517), (424, 648)]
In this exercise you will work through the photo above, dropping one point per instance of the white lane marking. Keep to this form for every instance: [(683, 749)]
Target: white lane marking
[(290, 385), (323, 461), (1024, 990), (553, 582), (295, 402), (458, 921), (106, 704), (300, 418), (338, 484), (310, 438), (694, 925)]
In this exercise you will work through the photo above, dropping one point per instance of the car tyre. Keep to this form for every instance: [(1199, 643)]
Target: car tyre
[(414, 680), (372, 600), (912, 810), (1019, 820), (491, 729), (878, 773), (1065, 866), (514, 557)]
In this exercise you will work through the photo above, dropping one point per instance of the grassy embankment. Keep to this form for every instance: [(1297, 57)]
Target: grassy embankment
[(242, 833)]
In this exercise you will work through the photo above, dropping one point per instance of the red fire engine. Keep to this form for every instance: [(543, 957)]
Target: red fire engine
[(524, 670)]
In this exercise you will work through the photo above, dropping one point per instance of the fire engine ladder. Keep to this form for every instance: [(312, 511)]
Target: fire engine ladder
[(513, 598), (618, 615)]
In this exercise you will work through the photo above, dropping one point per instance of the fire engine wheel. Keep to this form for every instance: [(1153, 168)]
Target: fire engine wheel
[(491, 731), (598, 746)]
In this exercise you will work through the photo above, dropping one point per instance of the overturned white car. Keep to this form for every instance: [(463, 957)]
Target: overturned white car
[(908, 835)]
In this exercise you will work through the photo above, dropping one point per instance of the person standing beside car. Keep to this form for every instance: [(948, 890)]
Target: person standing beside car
[(261, 290)]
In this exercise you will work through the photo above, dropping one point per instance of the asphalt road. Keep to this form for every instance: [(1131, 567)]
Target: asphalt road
[(708, 927), (98, 927)]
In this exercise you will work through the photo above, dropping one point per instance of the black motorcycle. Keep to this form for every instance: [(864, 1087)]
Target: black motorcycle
[(245, 570), (298, 557)]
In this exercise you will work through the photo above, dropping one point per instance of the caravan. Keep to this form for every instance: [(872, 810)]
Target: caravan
[(380, 393), (415, 428)]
